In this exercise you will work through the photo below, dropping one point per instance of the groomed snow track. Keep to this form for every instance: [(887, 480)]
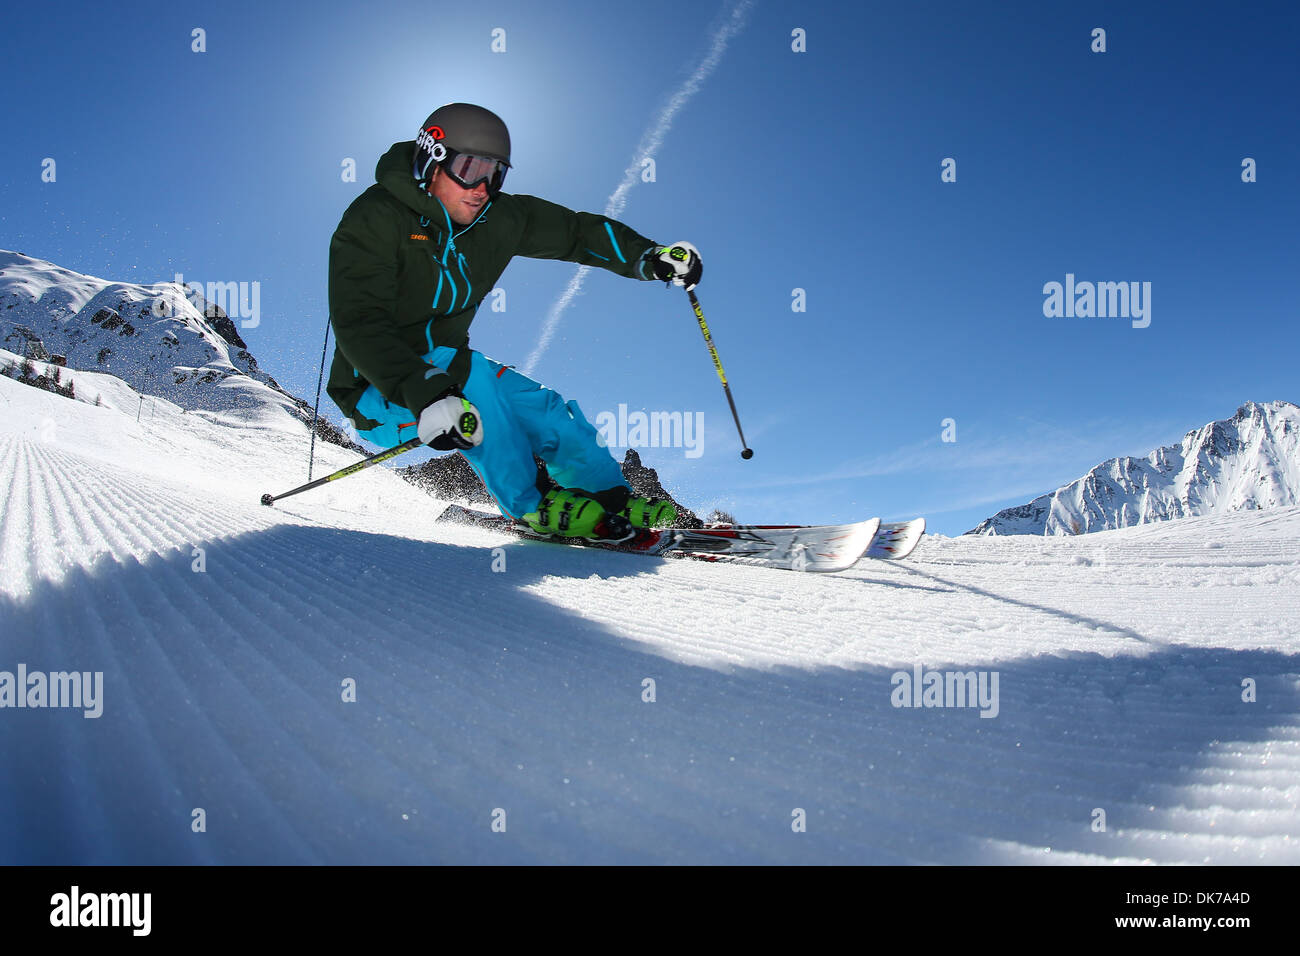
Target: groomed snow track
[(1120, 658)]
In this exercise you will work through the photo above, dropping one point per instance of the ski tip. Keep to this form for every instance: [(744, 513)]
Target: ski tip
[(897, 539), (847, 548)]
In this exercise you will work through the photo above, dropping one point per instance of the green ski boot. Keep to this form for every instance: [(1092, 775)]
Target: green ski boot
[(639, 512), (571, 514), (649, 513)]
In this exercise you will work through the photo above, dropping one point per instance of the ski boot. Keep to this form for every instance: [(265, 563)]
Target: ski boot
[(571, 513), (640, 512), (649, 513)]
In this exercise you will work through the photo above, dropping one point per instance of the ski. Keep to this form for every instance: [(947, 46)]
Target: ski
[(817, 548), (895, 540)]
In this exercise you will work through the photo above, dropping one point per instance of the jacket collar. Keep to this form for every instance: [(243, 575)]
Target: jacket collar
[(393, 172)]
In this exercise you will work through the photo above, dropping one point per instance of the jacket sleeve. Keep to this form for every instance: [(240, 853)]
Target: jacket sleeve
[(363, 305), (552, 231)]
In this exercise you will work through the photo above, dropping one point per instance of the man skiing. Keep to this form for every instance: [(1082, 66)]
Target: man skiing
[(411, 260)]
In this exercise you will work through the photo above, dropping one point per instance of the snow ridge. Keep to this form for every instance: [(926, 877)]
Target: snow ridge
[(1247, 462), (159, 339)]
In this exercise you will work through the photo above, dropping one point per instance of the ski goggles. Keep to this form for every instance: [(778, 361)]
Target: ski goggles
[(468, 170)]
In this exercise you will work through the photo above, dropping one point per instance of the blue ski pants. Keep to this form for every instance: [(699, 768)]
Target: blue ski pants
[(520, 418)]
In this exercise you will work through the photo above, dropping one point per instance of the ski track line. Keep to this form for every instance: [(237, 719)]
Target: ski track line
[(282, 626), (70, 757), (150, 616), (181, 511), (53, 619), (272, 626), (117, 640), (109, 531), (14, 518), (83, 533), (80, 513), (22, 508), (180, 620), (230, 695), (322, 744), (169, 673)]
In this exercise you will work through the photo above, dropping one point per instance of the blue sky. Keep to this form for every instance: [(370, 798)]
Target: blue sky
[(816, 170)]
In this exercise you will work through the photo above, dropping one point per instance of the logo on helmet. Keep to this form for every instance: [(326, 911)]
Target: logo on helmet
[(429, 141)]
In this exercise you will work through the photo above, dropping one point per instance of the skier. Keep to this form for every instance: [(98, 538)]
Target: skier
[(411, 260)]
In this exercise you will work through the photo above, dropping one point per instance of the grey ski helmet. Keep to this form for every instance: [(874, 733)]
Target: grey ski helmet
[(471, 143)]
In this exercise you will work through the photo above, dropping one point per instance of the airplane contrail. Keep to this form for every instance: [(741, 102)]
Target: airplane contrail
[(651, 141)]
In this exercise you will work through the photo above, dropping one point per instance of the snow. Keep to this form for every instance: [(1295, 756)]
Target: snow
[(152, 337), (1247, 462), (1120, 656)]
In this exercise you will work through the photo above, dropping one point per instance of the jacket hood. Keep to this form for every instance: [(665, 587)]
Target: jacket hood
[(393, 172)]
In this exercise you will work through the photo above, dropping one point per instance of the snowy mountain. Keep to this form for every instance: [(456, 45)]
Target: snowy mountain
[(1244, 463), (341, 678), (163, 340)]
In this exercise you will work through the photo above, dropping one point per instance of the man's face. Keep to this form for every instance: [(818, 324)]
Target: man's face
[(463, 205)]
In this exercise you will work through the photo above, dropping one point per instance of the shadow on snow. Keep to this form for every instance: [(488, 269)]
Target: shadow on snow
[(223, 692)]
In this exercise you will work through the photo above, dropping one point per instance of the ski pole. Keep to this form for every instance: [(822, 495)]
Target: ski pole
[(349, 470), (746, 451)]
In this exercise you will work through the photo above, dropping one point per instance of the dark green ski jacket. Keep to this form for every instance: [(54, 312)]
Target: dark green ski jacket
[(404, 279)]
